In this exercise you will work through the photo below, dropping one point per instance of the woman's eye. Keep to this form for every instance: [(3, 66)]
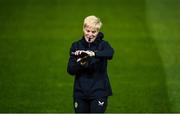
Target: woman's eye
[(93, 31)]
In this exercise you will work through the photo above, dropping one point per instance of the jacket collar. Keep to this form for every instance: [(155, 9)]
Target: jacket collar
[(98, 39)]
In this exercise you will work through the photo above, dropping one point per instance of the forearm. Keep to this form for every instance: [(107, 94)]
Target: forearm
[(74, 68), (107, 53)]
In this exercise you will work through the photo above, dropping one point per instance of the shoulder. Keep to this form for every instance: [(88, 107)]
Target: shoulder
[(75, 44), (103, 43)]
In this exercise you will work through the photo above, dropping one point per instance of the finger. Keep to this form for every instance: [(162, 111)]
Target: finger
[(88, 52), (79, 52), (76, 53), (78, 60)]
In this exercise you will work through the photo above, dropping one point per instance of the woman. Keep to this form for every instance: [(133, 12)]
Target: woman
[(88, 63)]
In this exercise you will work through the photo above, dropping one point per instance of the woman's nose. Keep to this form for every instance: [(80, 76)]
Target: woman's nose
[(90, 33)]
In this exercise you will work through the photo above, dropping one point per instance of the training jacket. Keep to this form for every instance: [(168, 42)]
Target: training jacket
[(91, 81)]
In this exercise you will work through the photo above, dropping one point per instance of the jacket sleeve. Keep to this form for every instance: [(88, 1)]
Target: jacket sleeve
[(106, 51), (73, 67)]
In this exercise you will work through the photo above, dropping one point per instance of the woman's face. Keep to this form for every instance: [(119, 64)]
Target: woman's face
[(90, 33)]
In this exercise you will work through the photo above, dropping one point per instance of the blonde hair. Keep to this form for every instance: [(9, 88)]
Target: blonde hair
[(92, 21)]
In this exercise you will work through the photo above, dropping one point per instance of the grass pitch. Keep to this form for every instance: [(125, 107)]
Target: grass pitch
[(36, 35)]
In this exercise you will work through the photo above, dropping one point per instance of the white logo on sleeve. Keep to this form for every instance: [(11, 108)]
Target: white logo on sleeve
[(75, 104), (100, 103)]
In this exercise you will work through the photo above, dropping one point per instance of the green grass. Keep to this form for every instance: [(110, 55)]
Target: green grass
[(36, 35)]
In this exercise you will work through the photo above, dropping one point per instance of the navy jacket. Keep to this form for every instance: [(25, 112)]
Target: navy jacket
[(91, 81)]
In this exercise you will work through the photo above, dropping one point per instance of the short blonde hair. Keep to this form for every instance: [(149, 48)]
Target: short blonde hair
[(93, 21)]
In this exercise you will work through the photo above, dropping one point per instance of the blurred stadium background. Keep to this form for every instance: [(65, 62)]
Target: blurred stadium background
[(35, 37)]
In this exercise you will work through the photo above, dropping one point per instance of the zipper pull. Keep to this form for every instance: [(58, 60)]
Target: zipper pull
[(89, 41)]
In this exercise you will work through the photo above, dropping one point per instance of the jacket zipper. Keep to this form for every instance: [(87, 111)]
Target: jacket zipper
[(89, 45)]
